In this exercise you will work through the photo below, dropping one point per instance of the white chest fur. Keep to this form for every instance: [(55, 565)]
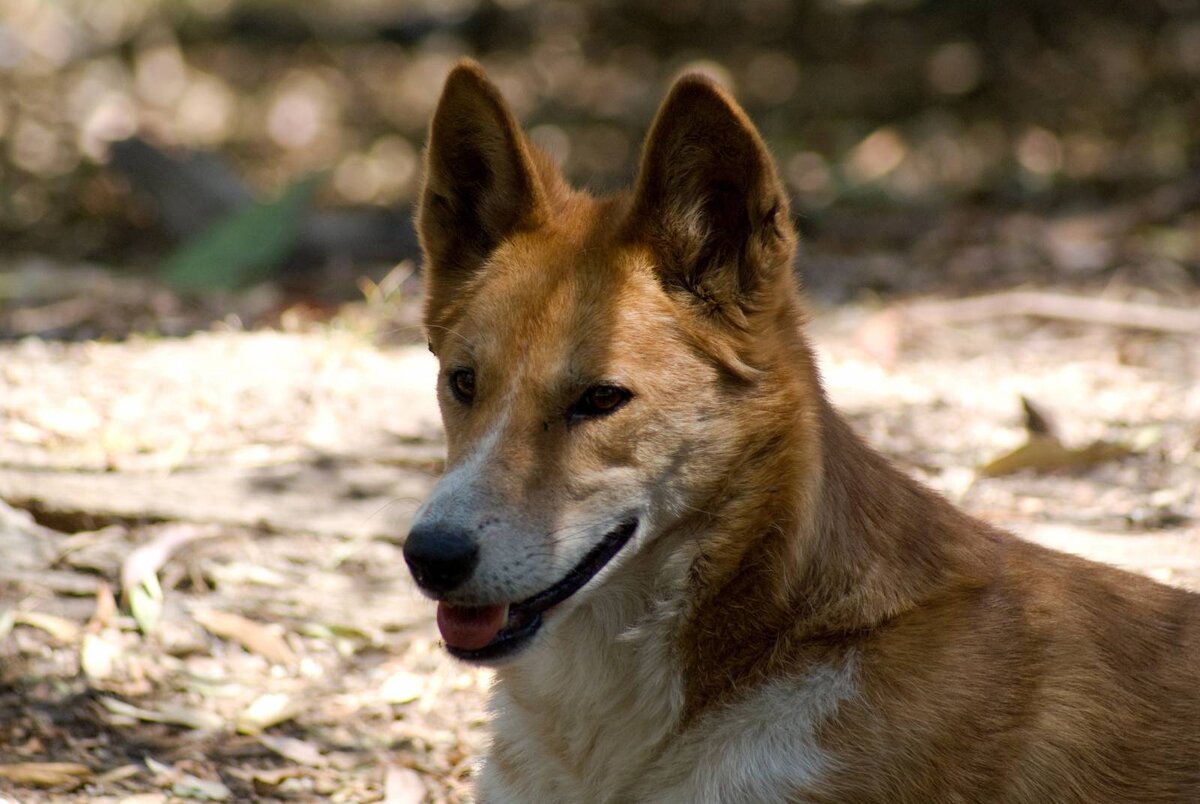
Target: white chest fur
[(596, 720), (583, 718)]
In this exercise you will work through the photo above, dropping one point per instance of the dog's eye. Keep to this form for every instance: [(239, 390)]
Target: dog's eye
[(600, 400), (462, 385)]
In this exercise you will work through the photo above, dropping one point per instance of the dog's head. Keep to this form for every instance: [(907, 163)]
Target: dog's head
[(602, 361)]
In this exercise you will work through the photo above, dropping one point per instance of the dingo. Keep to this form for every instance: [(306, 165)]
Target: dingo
[(695, 582)]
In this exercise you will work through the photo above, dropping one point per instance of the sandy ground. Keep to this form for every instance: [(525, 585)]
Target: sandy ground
[(213, 605)]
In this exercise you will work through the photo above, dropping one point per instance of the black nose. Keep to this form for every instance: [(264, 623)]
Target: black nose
[(439, 558)]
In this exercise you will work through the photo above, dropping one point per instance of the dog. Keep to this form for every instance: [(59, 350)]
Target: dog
[(694, 581)]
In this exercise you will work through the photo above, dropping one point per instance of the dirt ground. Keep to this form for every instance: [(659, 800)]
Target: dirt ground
[(202, 596)]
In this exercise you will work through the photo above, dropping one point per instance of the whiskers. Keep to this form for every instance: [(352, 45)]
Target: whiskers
[(415, 502), (570, 534)]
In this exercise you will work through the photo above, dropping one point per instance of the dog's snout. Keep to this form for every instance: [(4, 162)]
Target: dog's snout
[(440, 558)]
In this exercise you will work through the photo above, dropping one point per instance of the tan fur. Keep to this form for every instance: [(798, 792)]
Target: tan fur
[(796, 619)]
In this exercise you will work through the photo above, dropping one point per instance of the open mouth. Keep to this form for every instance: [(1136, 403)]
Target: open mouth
[(483, 633)]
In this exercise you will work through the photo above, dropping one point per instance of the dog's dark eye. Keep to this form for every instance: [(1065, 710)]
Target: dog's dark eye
[(600, 400), (462, 385)]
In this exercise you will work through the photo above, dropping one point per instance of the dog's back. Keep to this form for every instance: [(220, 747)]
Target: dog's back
[(1057, 681), (695, 582), (1044, 678)]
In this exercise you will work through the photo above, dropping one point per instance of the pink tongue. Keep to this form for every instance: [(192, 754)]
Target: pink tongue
[(470, 627)]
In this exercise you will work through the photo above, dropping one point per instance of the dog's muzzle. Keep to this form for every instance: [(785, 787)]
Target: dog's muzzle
[(441, 561)]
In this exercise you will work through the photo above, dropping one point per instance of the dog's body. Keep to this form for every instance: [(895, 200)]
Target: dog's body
[(695, 582)]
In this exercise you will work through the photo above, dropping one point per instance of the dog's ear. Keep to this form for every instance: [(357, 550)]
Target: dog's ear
[(481, 184), (709, 203)]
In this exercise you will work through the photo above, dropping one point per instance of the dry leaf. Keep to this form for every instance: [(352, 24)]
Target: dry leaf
[(175, 715), (245, 573), (274, 777), (253, 636), (62, 629), (296, 750), (106, 607), (1046, 454), (45, 774), (190, 786), (402, 786), (119, 774), (328, 631), (402, 687), (161, 768), (267, 710), (98, 656)]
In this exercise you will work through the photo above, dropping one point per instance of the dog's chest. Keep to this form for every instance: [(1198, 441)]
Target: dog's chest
[(603, 727), (583, 727)]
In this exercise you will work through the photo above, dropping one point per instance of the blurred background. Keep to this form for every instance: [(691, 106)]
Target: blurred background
[(223, 144)]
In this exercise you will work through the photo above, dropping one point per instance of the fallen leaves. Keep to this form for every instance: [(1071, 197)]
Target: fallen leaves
[(46, 774), (216, 695), (372, 708)]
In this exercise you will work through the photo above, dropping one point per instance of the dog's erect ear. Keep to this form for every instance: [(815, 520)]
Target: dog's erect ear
[(709, 203), (480, 181)]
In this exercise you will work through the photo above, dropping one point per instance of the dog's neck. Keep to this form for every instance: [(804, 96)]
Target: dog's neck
[(853, 543), (882, 542)]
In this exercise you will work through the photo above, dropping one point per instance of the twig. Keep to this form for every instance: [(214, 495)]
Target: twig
[(1056, 306)]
